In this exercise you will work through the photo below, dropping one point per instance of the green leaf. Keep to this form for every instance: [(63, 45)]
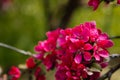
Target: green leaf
[(96, 67)]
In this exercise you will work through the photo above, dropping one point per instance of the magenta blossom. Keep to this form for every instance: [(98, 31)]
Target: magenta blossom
[(15, 73), (94, 3), (75, 51), (118, 1), (30, 63), (38, 74), (70, 70), (50, 61)]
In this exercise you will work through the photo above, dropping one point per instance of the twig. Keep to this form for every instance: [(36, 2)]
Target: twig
[(109, 73), (16, 49), (30, 75), (115, 37), (113, 56)]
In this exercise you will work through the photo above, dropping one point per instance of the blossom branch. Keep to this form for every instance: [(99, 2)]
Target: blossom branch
[(109, 73), (16, 49)]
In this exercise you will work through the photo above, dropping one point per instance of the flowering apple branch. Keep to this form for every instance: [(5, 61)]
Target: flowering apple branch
[(16, 49), (75, 53)]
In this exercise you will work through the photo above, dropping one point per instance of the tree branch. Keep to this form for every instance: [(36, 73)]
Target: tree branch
[(109, 73), (115, 37), (16, 49)]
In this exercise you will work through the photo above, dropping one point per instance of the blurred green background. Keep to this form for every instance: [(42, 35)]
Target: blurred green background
[(24, 22)]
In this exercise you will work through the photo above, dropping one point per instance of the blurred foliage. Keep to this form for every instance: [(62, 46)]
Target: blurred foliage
[(24, 22)]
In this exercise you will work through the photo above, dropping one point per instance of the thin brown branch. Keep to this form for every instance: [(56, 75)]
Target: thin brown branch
[(115, 37), (110, 72)]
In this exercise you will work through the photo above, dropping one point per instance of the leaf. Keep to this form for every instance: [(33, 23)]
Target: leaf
[(96, 67)]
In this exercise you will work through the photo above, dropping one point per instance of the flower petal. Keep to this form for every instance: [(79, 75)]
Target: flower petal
[(39, 56), (103, 53), (88, 46), (97, 57), (78, 58), (87, 56), (30, 63), (105, 43)]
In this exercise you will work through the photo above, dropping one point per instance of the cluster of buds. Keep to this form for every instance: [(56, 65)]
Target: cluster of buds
[(95, 3), (76, 53)]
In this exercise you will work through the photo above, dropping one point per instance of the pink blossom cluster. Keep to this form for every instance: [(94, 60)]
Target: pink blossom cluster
[(77, 53), (14, 73), (31, 64), (95, 3)]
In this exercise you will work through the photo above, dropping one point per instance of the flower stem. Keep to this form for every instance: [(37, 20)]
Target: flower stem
[(16, 49)]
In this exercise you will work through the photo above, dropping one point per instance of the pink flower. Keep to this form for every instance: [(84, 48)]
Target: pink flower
[(81, 32), (40, 47), (72, 72), (73, 51), (30, 63), (94, 4), (118, 1), (69, 69), (87, 56), (83, 51), (78, 58), (53, 34), (50, 61), (38, 74), (39, 56), (99, 52), (103, 41), (93, 31), (15, 73), (61, 73)]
